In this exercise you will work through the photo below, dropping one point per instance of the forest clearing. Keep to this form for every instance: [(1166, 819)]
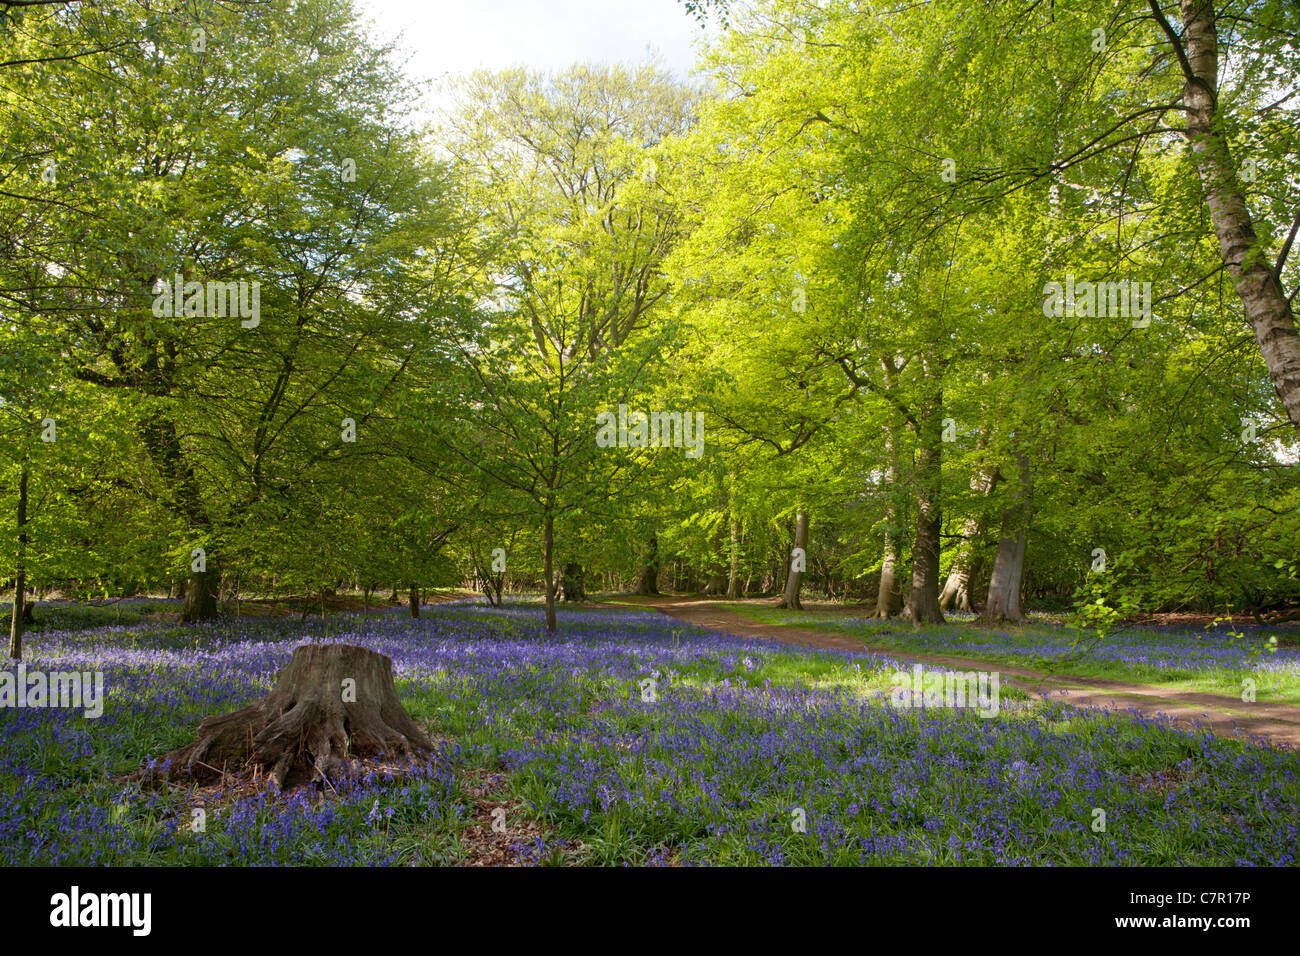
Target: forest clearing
[(685, 433)]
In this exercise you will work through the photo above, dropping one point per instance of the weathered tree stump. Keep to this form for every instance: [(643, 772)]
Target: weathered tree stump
[(331, 702)]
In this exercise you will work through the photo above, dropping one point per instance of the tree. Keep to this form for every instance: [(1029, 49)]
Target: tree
[(251, 313), (562, 169)]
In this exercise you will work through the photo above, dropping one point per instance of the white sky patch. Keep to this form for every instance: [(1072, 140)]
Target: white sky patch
[(447, 38), (1286, 454)]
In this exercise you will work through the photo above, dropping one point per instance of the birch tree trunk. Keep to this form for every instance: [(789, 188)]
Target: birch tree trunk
[(1267, 309)]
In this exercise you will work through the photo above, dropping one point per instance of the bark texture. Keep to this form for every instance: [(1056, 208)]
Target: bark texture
[(888, 600), (162, 441), (649, 581), (923, 602), (331, 702), (793, 578), (1009, 562), (956, 590), (1256, 279)]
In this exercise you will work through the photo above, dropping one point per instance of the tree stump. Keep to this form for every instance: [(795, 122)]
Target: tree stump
[(331, 702), (573, 584)]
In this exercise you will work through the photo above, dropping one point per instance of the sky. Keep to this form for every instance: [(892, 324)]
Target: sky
[(444, 37)]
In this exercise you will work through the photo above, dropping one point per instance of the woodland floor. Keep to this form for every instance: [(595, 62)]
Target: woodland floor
[(548, 751), (1225, 716)]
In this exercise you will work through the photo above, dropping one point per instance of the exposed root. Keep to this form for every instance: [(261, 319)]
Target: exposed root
[(331, 704)]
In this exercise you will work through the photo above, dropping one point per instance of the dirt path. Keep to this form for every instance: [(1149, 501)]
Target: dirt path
[(1225, 716)]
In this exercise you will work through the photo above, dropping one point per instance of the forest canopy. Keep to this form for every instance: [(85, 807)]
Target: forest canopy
[(977, 306)]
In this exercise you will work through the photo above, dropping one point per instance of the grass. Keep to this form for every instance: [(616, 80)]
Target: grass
[(67, 615), (1175, 659), (739, 742)]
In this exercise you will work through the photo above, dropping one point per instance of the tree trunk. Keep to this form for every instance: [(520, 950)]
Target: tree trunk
[(201, 594), (1267, 307), (733, 570), (574, 583), (1009, 562), (689, 584), (956, 591), (19, 616), (793, 578), (716, 583), (1004, 584), (888, 599), (548, 554), (923, 602), (649, 580), (331, 702), (159, 436), (413, 600)]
